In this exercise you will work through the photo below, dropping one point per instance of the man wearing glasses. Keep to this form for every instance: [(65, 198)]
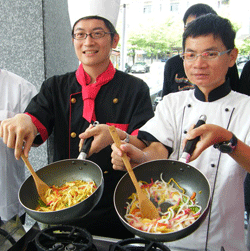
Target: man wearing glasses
[(223, 152), (70, 103)]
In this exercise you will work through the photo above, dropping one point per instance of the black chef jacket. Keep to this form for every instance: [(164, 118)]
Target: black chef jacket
[(125, 101)]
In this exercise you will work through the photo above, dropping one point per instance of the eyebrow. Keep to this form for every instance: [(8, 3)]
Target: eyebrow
[(96, 28), (207, 49)]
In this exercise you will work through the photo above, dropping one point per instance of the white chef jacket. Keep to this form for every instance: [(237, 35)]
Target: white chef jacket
[(174, 116), (15, 96)]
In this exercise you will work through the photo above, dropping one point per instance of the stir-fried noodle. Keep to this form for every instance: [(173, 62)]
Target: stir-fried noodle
[(183, 212), (65, 196)]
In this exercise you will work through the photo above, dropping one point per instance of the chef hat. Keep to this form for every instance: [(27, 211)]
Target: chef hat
[(108, 9)]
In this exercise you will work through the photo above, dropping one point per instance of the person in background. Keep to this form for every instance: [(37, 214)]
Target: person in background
[(16, 94), (175, 78), (70, 103), (245, 79), (223, 153)]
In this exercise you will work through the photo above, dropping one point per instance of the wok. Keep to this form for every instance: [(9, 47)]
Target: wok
[(57, 174), (188, 177)]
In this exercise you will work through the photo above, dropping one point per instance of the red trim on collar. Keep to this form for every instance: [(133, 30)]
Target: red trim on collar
[(40, 127)]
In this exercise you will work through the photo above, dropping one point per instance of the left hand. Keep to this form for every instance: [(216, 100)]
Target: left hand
[(209, 135), (102, 138)]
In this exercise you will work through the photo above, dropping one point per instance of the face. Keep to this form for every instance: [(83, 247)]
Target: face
[(189, 19), (94, 52), (208, 74)]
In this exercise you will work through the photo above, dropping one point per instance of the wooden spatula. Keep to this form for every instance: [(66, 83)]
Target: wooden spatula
[(40, 185), (148, 210)]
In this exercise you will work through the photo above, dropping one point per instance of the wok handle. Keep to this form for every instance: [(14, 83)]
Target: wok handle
[(86, 145), (191, 144), (85, 148)]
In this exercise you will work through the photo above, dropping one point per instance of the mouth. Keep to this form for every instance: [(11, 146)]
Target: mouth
[(90, 52), (201, 75)]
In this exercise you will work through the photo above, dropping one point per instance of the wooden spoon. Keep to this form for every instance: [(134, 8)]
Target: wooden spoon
[(40, 185), (148, 210)]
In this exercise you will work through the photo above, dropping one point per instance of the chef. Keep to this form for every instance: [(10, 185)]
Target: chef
[(16, 94), (96, 91), (223, 152)]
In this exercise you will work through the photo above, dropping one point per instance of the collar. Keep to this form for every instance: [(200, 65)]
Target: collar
[(217, 93)]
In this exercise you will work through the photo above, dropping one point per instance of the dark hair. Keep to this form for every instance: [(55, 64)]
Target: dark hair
[(211, 24), (107, 23), (198, 10)]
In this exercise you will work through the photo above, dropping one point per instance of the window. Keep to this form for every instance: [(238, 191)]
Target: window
[(174, 7), (147, 8)]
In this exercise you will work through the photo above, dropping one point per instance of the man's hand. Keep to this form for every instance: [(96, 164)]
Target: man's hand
[(209, 135), (135, 155), (16, 131), (102, 138)]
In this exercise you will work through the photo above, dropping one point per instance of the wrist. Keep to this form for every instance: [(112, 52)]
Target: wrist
[(227, 146), (126, 137)]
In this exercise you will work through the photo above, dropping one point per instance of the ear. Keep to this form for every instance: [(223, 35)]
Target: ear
[(115, 41), (233, 57)]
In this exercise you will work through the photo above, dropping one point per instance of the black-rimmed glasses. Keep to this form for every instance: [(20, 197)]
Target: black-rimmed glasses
[(95, 35)]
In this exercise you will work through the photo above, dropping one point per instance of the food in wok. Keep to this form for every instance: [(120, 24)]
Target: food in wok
[(183, 211), (67, 195)]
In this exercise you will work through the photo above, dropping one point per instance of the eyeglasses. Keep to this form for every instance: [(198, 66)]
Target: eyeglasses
[(206, 55), (94, 35)]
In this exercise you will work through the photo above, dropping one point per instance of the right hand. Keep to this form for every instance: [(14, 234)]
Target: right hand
[(17, 130), (135, 155)]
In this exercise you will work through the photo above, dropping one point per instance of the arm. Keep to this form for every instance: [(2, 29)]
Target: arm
[(137, 156), (213, 134)]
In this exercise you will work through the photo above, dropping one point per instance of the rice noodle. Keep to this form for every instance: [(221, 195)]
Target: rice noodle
[(182, 214)]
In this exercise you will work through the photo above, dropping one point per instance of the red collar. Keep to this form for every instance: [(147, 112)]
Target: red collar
[(90, 91)]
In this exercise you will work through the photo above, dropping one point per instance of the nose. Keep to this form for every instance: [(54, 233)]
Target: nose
[(88, 40), (200, 61)]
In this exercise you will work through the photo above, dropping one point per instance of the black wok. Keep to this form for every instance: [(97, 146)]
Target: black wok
[(188, 177), (58, 173)]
